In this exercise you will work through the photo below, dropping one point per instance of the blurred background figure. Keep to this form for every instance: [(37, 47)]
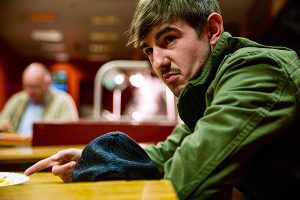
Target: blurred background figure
[(146, 105), (38, 101)]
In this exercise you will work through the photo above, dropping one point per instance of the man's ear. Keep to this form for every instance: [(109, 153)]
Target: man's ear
[(215, 28)]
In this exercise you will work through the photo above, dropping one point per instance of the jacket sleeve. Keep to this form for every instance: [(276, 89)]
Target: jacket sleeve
[(7, 111), (243, 114), (163, 151), (13, 110)]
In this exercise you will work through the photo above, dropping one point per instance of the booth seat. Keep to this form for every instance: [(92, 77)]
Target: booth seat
[(83, 131)]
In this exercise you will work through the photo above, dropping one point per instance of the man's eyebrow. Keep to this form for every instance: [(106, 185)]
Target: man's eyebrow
[(143, 45), (164, 30), (159, 34)]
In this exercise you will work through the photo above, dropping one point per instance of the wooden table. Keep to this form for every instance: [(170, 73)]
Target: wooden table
[(29, 154), (48, 187), (14, 139)]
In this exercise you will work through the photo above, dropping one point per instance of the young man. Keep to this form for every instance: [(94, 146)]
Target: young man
[(239, 102), (36, 102)]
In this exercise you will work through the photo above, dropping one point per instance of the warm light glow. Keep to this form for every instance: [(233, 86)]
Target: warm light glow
[(39, 17), (98, 57), (137, 80), (137, 109), (119, 79), (50, 35), (105, 20), (104, 37), (53, 47), (137, 116), (114, 79), (63, 57), (101, 48)]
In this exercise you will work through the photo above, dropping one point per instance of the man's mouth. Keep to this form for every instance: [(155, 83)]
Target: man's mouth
[(170, 77)]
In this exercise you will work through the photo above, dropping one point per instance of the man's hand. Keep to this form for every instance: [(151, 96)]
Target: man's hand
[(62, 163)]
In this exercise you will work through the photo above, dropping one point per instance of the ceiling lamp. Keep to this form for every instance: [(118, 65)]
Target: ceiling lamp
[(104, 37), (62, 57), (105, 20), (53, 47), (101, 48), (50, 35)]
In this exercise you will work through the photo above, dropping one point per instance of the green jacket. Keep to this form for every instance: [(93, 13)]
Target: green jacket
[(57, 106), (241, 128)]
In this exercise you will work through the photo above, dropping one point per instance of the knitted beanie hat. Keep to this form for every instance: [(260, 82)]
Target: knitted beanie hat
[(114, 156)]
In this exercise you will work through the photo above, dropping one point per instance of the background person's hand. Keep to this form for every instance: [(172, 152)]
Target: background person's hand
[(5, 126), (62, 163)]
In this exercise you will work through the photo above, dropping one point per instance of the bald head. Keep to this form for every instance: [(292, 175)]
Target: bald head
[(36, 80)]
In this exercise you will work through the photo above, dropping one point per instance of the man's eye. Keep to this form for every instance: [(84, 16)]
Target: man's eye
[(148, 51), (169, 39)]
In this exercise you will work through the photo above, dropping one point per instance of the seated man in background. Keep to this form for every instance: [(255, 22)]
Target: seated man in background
[(36, 102)]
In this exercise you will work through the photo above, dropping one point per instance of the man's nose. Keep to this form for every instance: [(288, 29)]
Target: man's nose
[(160, 58)]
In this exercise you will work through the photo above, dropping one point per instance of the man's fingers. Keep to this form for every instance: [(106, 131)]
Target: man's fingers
[(41, 165), (60, 158), (57, 170), (64, 171)]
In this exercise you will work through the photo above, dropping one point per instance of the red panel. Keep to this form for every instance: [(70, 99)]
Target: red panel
[(82, 132)]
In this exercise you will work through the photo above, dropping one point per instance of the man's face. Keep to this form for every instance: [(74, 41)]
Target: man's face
[(36, 87), (176, 53)]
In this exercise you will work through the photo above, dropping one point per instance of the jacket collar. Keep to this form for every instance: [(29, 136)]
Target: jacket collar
[(191, 103)]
